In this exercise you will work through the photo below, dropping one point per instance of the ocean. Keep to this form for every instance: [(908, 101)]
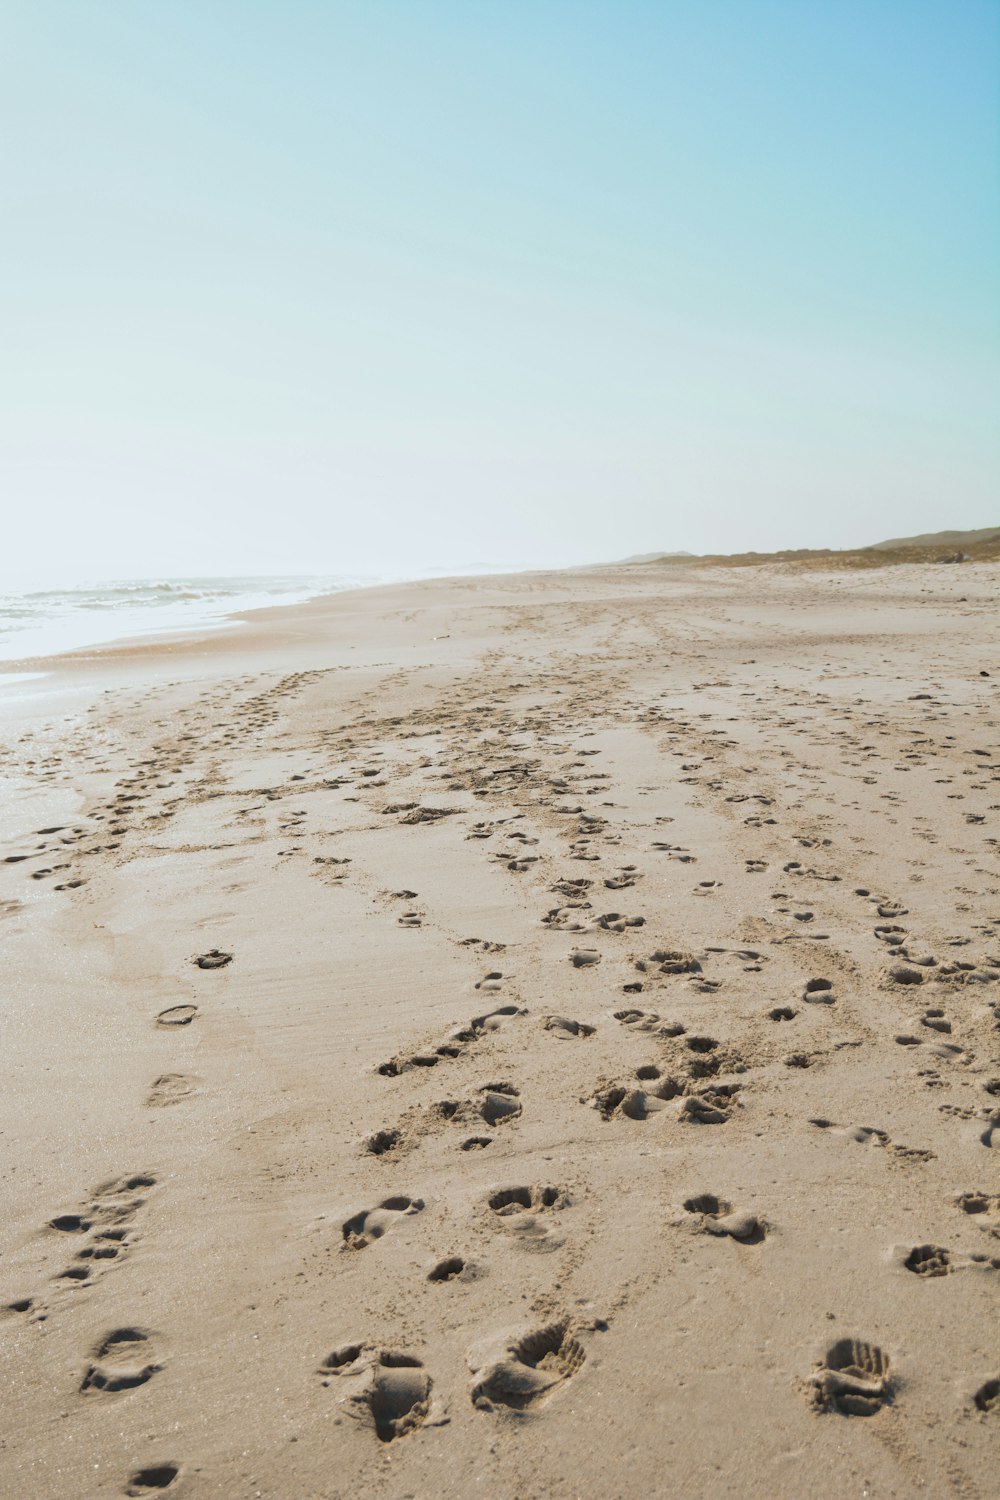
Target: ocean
[(46, 621)]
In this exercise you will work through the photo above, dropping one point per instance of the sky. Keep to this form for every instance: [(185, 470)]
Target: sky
[(300, 286)]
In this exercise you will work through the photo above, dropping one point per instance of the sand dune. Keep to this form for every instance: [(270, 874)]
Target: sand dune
[(527, 1037)]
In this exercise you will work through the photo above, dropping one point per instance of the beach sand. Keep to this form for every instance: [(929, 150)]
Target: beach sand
[(527, 1037)]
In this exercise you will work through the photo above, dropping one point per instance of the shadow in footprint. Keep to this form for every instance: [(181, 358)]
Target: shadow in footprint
[(717, 1216), (853, 1379), (987, 1398), (498, 1103), (566, 1030), (394, 1397), (524, 1370), (213, 959), (447, 1270), (636, 1103), (121, 1361), (152, 1479), (928, 1260), (397, 1398), (363, 1228), (818, 992), (177, 1015), (383, 1142)]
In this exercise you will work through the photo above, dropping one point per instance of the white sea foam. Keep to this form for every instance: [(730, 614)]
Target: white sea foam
[(46, 621)]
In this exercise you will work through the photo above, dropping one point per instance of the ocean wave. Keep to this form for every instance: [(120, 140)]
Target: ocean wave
[(45, 621)]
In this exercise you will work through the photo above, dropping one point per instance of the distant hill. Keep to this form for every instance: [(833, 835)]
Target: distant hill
[(648, 557), (961, 539), (934, 547)]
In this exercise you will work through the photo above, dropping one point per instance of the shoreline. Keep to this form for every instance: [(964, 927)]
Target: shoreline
[(199, 639), (261, 642), (181, 638)]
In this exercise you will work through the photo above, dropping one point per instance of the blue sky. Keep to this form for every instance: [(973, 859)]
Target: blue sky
[(385, 286)]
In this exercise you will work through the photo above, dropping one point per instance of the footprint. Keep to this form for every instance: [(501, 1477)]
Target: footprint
[(213, 959), (397, 1065), (903, 974), (700, 1111), (494, 1019), (518, 1372), (152, 1478), (567, 918), (394, 1394), (635, 1103), (717, 1216), (498, 1103), (428, 814), (513, 1200), (704, 1063), (669, 961), (818, 992), (121, 1361), (454, 1046), (935, 1020), (371, 1224), (853, 1378), (613, 921), (710, 1106), (521, 1210), (20, 1305), (987, 1398), (396, 1399), (565, 1030), (345, 1360), (910, 1156), (449, 1269), (169, 1088), (383, 1142), (642, 1020), (675, 851), (978, 1203), (517, 865), (582, 958), (864, 1135), (928, 1260), (101, 1230), (177, 1015), (70, 1223), (782, 1013)]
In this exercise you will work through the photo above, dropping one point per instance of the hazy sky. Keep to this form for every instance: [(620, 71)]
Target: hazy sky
[(394, 284)]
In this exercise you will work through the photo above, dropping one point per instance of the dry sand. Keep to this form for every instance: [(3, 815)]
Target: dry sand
[(594, 1092)]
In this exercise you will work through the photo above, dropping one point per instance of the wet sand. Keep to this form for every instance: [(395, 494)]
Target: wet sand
[(528, 1037)]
